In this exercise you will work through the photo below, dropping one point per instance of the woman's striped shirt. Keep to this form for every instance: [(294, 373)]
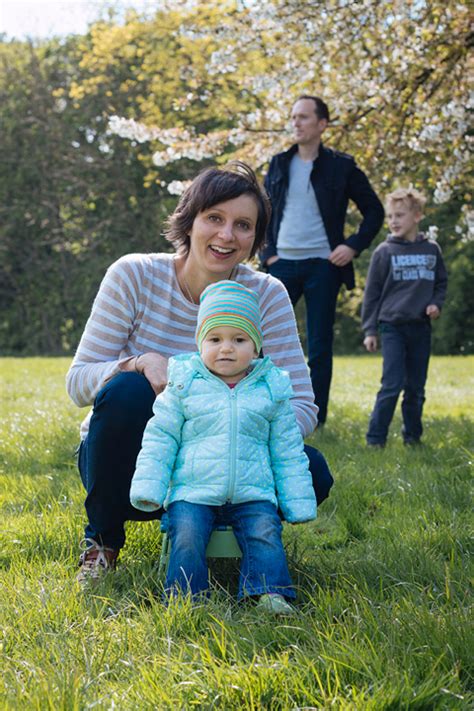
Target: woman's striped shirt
[(140, 308)]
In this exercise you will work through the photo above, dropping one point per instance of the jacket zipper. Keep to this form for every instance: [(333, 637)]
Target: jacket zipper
[(233, 430), (233, 445), (233, 433)]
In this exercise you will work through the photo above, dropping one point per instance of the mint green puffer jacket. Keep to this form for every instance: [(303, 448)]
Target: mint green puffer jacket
[(209, 444)]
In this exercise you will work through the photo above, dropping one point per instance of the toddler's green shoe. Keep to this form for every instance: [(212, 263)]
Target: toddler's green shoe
[(276, 604)]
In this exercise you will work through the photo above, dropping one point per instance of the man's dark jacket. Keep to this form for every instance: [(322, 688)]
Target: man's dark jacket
[(336, 179)]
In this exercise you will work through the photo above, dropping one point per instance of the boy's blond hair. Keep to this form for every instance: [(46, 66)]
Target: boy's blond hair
[(415, 200)]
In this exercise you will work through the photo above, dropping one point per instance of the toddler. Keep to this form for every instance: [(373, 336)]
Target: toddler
[(223, 447)]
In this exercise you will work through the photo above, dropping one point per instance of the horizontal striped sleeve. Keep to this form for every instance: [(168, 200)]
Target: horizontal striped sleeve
[(139, 309), (107, 331)]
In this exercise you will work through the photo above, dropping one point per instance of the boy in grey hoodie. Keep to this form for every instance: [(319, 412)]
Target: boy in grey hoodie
[(405, 290)]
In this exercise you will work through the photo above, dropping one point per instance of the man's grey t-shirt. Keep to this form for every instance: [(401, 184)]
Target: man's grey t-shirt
[(302, 234)]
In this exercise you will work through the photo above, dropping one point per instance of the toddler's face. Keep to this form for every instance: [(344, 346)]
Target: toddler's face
[(227, 352)]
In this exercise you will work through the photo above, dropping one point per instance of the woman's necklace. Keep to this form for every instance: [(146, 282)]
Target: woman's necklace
[(188, 290)]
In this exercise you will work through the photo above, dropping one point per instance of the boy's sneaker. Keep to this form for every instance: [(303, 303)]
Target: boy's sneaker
[(376, 445), (413, 443), (276, 604), (95, 561)]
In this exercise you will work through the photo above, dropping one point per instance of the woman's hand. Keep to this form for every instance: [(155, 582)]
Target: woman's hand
[(155, 368)]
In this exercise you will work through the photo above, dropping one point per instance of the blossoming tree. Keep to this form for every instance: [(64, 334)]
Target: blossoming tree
[(214, 80)]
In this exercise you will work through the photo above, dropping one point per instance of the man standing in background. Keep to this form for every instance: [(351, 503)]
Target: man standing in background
[(310, 187)]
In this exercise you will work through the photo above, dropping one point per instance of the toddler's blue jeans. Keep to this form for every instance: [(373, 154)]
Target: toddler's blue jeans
[(256, 526), (108, 455)]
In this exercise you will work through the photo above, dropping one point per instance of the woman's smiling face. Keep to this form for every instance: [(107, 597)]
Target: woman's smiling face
[(223, 235)]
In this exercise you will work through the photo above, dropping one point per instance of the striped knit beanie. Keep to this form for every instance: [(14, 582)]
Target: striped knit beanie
[(228, 303)]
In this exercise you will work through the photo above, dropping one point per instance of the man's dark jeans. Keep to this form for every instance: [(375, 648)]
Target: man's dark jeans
[(319, 282), (108, 455), (406, 352)]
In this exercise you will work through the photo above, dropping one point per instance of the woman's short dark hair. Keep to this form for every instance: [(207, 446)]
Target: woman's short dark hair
[(210, 187)]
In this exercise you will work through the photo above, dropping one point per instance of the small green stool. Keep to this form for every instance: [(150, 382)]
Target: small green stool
[(222, 544)]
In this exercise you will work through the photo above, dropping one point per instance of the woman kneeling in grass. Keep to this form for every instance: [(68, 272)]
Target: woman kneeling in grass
[(145, 312)]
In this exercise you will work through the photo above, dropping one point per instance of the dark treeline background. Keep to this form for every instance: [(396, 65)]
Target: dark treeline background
[(74, 197), (68, 208)]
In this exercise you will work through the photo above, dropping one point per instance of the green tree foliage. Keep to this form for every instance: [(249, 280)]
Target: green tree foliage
[(72, 200), (100, 132)]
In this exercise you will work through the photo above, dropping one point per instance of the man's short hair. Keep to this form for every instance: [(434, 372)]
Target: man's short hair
[(320, 107), (410, 195)]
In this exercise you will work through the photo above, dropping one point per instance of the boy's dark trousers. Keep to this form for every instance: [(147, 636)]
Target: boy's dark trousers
[(406, 352)]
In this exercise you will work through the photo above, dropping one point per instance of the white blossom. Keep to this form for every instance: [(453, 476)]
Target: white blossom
[(60, 104), (468, 217), (131, 129), (177, 187), (442, 192)]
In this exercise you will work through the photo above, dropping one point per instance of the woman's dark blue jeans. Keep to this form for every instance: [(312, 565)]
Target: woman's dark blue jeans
[(108, 455)]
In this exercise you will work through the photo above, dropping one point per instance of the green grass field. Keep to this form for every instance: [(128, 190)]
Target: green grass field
[(383, 574)]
